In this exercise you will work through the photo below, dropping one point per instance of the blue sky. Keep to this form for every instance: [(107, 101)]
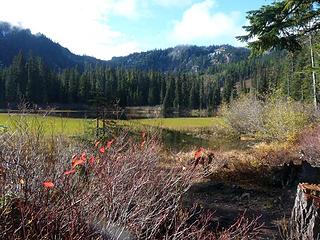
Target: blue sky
[(106, 28)]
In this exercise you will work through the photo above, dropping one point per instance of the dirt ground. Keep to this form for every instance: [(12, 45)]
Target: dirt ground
[(230, 200)]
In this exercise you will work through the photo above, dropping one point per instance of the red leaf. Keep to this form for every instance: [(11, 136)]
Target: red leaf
[(199, 153), (72, 171), (77, 163), (48, 184), (102, 149), (110, 143), (143, 143), (92, 160)]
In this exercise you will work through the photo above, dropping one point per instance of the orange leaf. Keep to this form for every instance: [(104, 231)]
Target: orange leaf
[(110, 143), (72, 171), (91, 161), (102, 149), (143, 143), (97, 144), (199, 153), (48, 184), (77, 162)]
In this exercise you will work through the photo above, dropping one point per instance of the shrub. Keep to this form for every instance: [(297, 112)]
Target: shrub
[(275, 119), (309, 143), (115, 190), (244, 115), (283, 119), (120, 192)]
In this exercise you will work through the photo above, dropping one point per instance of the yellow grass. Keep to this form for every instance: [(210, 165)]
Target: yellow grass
[(181, 124), (78, 126), (48, 124)]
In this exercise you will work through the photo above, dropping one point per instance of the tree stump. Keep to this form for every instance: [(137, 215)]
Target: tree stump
[(305, 217)]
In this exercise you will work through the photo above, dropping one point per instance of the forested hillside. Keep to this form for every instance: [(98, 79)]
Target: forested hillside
[(31, 80), (14, 40), (178, 59), (182, 58), (288, 74)]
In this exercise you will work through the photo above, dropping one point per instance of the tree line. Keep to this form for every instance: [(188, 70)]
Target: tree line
[(28, 78)]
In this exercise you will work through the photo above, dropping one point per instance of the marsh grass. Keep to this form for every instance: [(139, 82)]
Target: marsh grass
[(48, 124), (182, 124), (72, 126)]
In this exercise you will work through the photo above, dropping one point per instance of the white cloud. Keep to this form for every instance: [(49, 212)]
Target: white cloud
[(79, 25), (199, 22), (169, 3), (126, 8)]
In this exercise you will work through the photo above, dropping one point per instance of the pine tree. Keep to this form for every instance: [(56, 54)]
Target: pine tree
[(176, 101), (284, 25)]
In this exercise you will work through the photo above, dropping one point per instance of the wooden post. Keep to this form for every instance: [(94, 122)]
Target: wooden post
[(305, 217)]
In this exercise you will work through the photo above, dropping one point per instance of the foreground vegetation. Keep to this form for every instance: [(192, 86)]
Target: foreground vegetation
[(55, 187)]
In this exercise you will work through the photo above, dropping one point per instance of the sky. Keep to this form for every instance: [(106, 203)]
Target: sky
[(107, 28)]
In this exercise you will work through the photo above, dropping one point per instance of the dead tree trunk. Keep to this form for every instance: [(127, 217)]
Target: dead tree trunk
[(314, 86), (305, 218)]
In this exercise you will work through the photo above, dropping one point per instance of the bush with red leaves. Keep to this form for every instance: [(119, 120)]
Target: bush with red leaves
[(53, 188)]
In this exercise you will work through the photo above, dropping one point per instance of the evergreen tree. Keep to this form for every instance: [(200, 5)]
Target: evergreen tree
[(284, 25), (176, 101)]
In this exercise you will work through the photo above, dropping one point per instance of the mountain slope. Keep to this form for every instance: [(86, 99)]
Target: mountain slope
[(178, 59), (182, 58), (14, 39)]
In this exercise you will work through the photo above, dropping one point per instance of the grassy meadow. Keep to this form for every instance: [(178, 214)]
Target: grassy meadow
[(181, 124), (77, 126), (47, 124)]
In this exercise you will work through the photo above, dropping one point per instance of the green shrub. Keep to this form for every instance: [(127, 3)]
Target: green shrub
[(283, 119)]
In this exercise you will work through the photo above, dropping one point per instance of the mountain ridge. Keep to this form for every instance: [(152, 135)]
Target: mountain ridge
[(185, 58), (182, 58)]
